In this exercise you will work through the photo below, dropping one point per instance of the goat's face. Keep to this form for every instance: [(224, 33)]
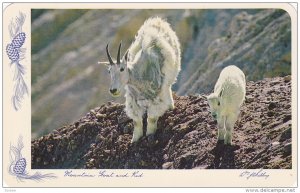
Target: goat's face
[(118, 73), (214, 102)]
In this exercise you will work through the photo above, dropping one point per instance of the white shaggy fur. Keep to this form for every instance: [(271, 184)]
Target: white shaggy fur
[(151, 64), (225, 102)]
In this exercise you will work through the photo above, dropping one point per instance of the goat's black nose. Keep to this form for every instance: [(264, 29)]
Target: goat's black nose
[(113, 90)]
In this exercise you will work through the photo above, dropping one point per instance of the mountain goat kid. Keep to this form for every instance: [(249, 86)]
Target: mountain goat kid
[(147, 71), (225, 102)]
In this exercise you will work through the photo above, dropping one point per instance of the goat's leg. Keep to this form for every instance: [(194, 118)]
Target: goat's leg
[(229, 124), (136, 114), (166, 97), (221, 128), (138, 130), (170, 99), (154, 112), (151, 125)]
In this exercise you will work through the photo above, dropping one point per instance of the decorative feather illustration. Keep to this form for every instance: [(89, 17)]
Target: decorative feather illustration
[(18, 165), (16, 53)]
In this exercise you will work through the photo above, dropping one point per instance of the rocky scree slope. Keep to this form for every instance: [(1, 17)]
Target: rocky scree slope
[(186, 136)]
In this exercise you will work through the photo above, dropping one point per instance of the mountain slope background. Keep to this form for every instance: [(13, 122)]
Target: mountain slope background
[(66, 44)]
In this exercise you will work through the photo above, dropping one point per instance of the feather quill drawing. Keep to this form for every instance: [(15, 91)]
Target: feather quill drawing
[(16, 53)]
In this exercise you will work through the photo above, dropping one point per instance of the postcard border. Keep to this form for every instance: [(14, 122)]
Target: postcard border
[(140, 3)]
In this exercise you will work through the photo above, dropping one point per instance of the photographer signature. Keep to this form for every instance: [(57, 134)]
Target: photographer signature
[(254, 174)]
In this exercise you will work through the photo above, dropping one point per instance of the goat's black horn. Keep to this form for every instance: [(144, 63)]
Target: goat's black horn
[(119, 54), (126, 55), (108, 55)]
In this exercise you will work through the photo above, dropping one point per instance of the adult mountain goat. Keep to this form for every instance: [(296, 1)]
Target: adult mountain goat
[(225, 102), (147, 71)]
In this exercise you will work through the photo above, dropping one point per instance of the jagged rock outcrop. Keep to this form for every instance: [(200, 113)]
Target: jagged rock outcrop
[(186, 136)]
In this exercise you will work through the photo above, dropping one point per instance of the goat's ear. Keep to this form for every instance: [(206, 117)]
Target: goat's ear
[(221, 93), (104, 63)]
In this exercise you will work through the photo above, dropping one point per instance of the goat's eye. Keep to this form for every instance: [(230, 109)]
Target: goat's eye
[(218, 103), (121, 69)]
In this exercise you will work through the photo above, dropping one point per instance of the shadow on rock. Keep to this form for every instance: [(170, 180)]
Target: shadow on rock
[(224, 156)]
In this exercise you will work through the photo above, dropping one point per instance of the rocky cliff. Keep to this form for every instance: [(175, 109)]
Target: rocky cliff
[(259, 44), (186, 136)]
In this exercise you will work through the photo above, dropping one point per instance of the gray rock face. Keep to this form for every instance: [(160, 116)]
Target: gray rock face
[(260, 44), (66, 45)]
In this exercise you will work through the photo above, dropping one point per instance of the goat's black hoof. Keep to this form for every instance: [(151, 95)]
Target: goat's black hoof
[(220, 142), (219, 147), (151, 138), (232, 147)]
